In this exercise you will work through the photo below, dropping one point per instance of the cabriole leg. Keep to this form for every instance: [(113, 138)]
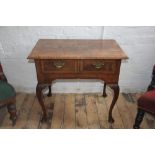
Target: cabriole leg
[(104, 90), (49, 93), (115, 88)]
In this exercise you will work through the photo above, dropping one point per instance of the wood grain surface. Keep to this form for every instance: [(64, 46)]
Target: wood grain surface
[(76, 49), (75, 111)]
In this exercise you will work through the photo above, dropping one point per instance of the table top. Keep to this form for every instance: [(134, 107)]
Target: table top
[(76, 49)]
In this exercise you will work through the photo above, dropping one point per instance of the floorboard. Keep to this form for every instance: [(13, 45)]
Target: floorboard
[(102, 112), (69, 113), (74, 111), (58, 113), (80, 112), (91, 111)]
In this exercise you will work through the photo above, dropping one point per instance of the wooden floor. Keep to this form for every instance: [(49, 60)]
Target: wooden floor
[(70, 111)]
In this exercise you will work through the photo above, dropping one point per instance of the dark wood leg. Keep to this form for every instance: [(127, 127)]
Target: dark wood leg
[(115, 88), (39, 94), (49, 93), (104, 90), (13, 113), (139, 118)]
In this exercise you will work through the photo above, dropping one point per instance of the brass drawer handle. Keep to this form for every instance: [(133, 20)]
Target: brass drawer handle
[(98, 65), (59, 64)]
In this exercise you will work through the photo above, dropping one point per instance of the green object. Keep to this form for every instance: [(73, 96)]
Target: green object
[(6, 91)]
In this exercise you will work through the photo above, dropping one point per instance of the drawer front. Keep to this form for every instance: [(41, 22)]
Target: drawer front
[(99, 66), (49, 70), (59, 66)]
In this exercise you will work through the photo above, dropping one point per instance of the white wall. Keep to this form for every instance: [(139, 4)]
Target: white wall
[(138, 42)]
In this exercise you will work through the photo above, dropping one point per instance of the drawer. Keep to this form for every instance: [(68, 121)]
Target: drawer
[(59, 66), (98, 66)]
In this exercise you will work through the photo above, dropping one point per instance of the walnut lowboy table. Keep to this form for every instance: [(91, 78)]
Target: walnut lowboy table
[(77, 59)]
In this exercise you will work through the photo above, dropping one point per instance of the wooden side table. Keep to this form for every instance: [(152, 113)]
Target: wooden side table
[(77, 59)]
